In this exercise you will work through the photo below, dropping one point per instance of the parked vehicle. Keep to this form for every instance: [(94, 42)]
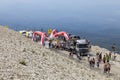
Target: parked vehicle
[(29, 34), (82, 47), (23, 32), (26, 33)]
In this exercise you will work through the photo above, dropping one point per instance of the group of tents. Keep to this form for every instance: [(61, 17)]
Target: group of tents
[(61, 40), (43, 35)]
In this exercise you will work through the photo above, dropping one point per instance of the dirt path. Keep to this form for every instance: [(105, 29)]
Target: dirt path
[(115, 66)]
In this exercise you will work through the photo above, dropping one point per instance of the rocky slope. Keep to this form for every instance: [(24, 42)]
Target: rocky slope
[(23, 59)]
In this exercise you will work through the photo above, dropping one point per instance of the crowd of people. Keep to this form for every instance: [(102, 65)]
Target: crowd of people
[(57, 44), (102, 59), (93, 61)]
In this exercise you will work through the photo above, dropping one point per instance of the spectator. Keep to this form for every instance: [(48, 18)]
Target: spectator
[(100, 57), (114, 57), (98, 63), (107, 67), (107, 58), (113, 47), (88, 57), (110, 55), (104, 59)]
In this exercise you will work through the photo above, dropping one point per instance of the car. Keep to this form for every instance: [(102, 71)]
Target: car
[(23, 32), (28, 34)]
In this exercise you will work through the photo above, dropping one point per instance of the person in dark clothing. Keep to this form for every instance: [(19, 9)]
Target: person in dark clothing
[(71, 53), (74, 43), (107, 67), (49, 45), (104, 59), (97, 54), (100, 57), (93, 62), (78, 37), (90, 63), (113, 47), (98, 63)]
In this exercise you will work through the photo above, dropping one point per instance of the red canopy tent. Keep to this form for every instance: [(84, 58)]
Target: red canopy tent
[(62, 33), (42, 34)]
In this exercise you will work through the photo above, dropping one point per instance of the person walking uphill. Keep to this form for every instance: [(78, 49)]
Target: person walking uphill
[(104, 59), (100, 57), (107, 67), (92, 62), (98, 63), (107, 58)]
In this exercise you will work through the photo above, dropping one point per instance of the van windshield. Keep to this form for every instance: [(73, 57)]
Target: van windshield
[(82, 45)]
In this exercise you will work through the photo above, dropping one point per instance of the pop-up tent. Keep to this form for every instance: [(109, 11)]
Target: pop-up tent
[(62, 33), (42, 34)]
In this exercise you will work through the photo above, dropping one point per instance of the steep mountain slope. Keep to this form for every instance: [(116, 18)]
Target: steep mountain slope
[(22, 59)]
